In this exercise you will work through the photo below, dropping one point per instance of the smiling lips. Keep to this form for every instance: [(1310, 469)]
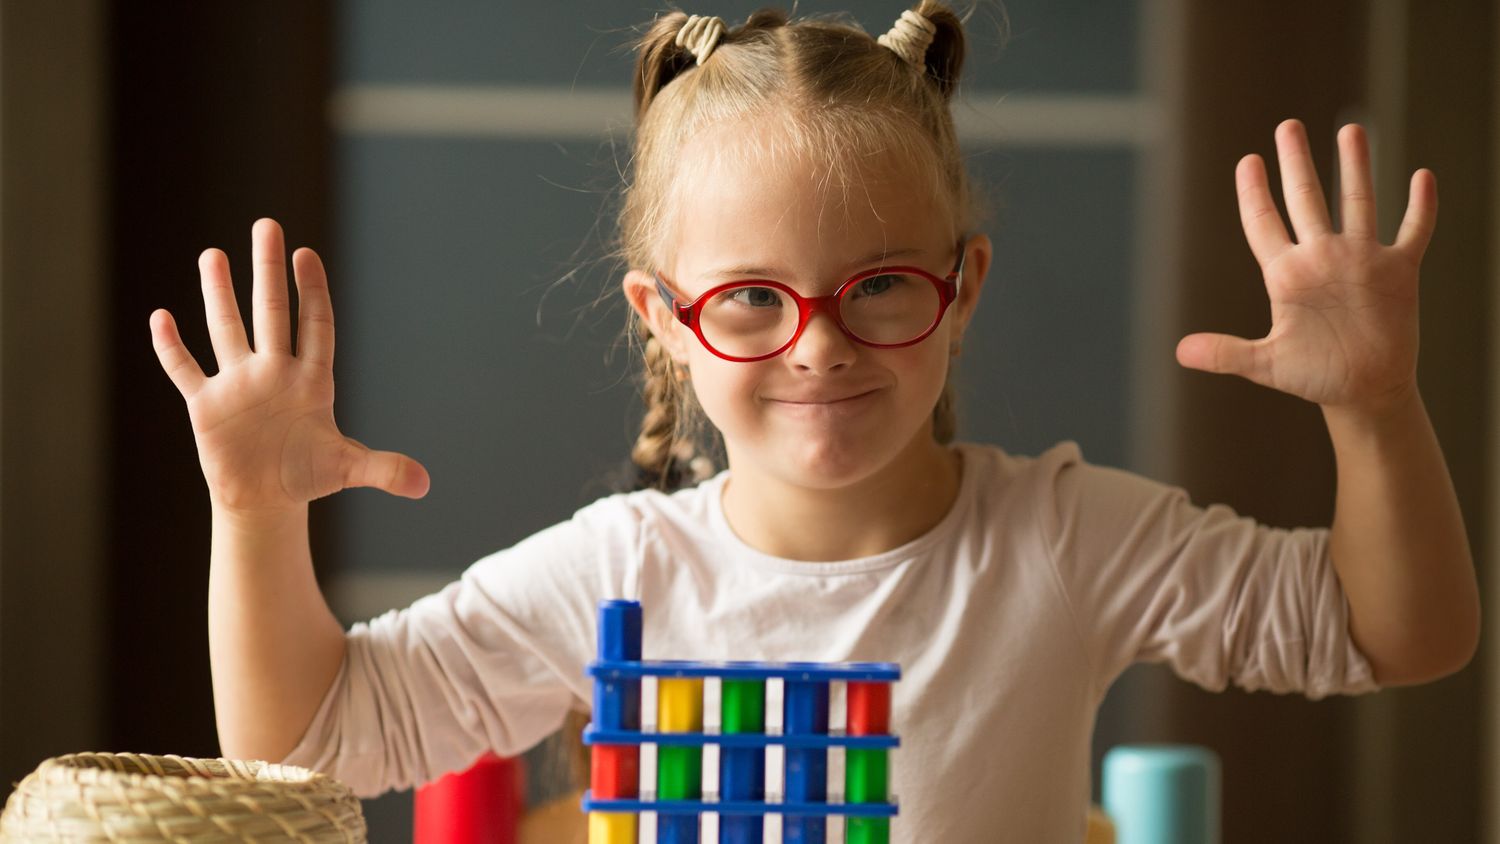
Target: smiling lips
[(813, 400)]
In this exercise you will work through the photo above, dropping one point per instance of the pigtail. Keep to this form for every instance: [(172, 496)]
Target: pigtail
[(654, 452), (929, 38), (662, 54), (945, 55), (659, 59)]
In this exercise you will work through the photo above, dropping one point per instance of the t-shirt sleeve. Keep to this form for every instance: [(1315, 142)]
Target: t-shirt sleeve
[(494, 661), (1217, 596)]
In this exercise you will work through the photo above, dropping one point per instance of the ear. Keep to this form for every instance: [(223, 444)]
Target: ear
[(978, 251), (640, 292)]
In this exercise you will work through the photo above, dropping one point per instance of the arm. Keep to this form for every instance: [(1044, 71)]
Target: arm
[(1344, 335), (1399, 545), (274, 645), (268, 445)]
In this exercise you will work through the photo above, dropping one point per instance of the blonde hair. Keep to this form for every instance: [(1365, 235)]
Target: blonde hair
[(832, 87)]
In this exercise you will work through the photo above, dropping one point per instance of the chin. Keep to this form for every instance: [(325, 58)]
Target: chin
[(834, 465)]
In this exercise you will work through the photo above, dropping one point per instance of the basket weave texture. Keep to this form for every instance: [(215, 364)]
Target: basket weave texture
[(129, 797)]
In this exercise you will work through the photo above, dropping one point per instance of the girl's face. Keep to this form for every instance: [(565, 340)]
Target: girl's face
[(828, 412)]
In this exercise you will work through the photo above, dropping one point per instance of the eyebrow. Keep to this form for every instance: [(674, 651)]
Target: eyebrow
[(765, 272)]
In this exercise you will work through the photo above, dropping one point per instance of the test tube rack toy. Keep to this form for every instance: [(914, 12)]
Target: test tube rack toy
[(615, 738)]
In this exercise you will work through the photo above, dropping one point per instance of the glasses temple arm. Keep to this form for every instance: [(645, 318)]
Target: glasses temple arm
[(958, 269), (668, 297)]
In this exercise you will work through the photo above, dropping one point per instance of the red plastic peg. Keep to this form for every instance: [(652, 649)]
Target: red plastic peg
[(616, 771), (869, 709)]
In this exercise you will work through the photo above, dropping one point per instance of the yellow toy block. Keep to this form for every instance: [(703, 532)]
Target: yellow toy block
[(611, 828), (679, 705)]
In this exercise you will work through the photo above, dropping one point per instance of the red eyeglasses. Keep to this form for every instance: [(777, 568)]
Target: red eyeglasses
[(756, 319)]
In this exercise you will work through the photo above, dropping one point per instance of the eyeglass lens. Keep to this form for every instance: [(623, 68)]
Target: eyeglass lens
[(749, 321)]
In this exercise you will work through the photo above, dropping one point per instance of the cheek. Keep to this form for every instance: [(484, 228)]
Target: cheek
[(925, 369), (921, 378), (722, 387)]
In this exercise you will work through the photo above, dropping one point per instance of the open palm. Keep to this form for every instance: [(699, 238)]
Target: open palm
[(1343, 305), (264, 424)]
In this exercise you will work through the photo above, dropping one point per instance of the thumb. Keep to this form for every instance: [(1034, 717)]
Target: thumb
[(1221, 354), (387, 471)]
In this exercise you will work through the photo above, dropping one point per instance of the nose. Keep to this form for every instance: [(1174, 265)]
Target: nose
[(822, 346)]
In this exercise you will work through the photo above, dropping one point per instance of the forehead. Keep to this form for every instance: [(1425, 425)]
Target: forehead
[(763, 189)]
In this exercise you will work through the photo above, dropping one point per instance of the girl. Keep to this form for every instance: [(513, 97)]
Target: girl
[(803, 263)]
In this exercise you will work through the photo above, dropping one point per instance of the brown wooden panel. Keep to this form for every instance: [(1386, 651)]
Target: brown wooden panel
[(218, 118), (1289, 763), (1248, 67)]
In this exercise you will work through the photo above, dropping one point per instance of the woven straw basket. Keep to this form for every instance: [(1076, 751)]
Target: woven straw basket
[(127, 797)]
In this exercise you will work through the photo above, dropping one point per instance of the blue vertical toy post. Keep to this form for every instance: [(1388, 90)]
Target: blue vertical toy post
[(617, 702), (806, 767), (617, 706)]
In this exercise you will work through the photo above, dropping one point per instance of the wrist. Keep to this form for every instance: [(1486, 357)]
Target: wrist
[(1396, 407), (257, 522), (1391, 424)]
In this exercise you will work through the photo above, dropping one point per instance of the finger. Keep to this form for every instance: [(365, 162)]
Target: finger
[(226, 331), (175, 359), (314, 309), (1264, 230), (1356, 185), (388, 471), (1224, 355), (1421, 213), (1305, 204), (272, 308)]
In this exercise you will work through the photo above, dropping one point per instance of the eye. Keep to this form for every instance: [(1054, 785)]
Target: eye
[(876, 285), (753, 297)]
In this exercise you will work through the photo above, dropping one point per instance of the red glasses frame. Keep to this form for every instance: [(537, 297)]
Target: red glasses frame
[(688, 313)]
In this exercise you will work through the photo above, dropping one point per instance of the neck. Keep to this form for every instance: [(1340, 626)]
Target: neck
[(899, 503)]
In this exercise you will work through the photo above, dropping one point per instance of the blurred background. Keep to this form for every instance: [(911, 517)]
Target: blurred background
[(456, 165)]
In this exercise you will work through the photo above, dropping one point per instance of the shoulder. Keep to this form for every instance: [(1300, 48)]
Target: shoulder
[(1001, 476), (633, 511), (615, 522), (1061, 470), (598, 551), (622, 525), (1053, 487)]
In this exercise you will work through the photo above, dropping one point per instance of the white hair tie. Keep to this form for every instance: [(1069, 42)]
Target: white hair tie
[(910, 38), (700, 35)]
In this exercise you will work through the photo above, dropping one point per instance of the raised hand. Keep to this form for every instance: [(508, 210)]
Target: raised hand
[(264, 424), (1343, 305)]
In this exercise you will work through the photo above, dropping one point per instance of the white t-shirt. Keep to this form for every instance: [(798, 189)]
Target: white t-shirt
[(1010, 619)]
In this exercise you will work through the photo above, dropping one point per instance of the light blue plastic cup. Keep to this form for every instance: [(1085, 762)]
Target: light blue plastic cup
[(1162, 793)]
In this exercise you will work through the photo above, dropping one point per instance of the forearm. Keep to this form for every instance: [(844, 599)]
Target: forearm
[(274, 645), (1399, 545)]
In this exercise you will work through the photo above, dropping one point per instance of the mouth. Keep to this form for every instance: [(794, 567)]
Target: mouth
[(819, 401)]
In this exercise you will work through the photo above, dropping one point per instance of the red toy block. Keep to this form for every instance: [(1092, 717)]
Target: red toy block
[(869, 709), (616, 771)]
